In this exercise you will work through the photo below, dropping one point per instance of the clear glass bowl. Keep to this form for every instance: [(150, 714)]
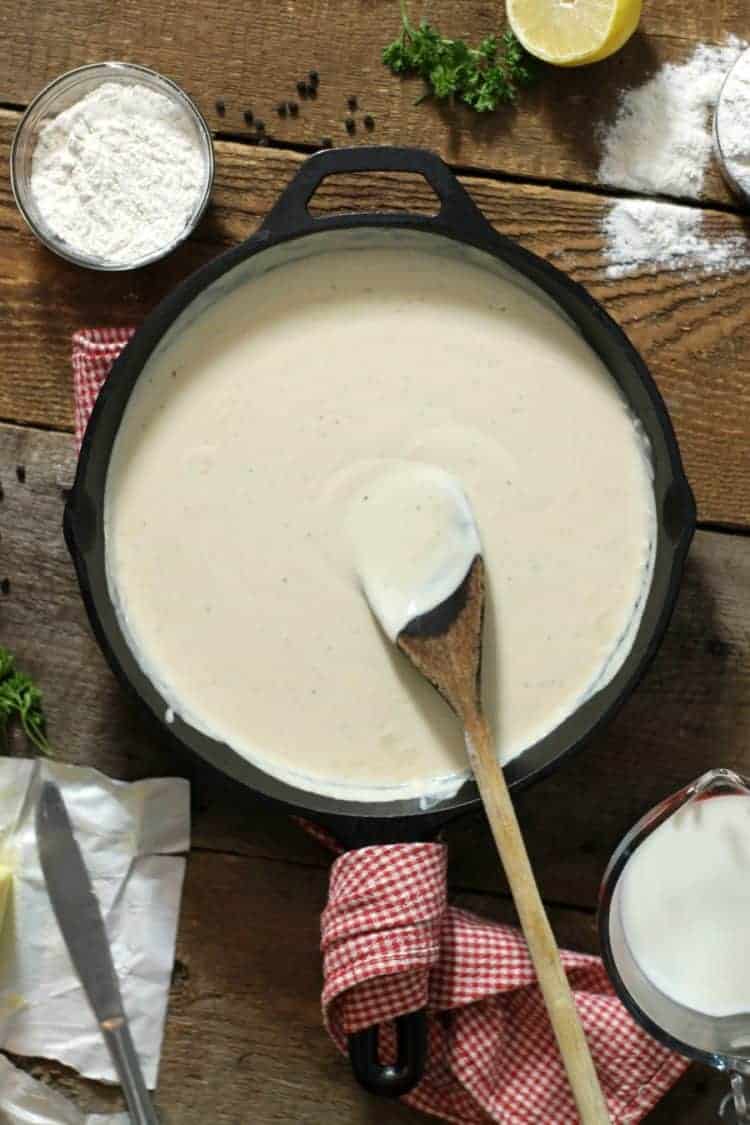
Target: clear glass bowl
[(721, 1042), (740, 190), (58, 96)]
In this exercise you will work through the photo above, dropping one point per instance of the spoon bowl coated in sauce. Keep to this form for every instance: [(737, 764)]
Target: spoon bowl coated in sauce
[(414, 539)]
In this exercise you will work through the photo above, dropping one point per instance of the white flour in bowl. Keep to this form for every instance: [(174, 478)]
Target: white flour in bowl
[(119, 174), (733, 123), (660, 143)]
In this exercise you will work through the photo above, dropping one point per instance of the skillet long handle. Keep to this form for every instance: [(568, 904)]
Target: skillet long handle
[(391, 1080), (553, 982), (124, 1056)]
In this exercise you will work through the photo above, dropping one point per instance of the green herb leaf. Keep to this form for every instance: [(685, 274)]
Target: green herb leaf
[(21, 701), (483, 77), (397, 56)]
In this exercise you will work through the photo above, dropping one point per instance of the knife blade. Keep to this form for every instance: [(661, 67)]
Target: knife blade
[(80, 920), (75, 905)]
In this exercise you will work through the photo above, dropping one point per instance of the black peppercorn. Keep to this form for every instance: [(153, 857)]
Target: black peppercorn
[(314, 77), (2, 494), (221, 107), (312, 90), (302, 89), (293, 108), (249, 116), (21, 473), (369, 121), (350, 124), (326, 143), (351, 101), (5, 586), (281, 109), (260, 126)]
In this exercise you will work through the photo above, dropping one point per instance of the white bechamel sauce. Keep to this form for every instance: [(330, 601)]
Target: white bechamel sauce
[(414, 540), (685, 906), (252, 431)]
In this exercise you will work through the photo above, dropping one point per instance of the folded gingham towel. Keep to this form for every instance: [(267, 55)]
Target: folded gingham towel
[(392, 944), (94, 352)]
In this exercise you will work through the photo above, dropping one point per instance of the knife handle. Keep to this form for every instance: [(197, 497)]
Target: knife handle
[(120, 1043)]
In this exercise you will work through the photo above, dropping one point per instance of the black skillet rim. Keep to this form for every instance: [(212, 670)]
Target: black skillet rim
[(460, 220)]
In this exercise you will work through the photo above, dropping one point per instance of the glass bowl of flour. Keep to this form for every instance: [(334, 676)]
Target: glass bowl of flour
[(732, 128), (112, 166)]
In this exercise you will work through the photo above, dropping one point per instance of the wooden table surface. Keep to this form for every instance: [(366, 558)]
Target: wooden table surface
[(244, 1040)]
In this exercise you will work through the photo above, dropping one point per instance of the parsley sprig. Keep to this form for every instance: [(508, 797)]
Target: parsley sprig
[(21, 701), (483, 77)]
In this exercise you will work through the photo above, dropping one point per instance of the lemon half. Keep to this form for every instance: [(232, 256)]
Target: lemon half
[(573, 32)]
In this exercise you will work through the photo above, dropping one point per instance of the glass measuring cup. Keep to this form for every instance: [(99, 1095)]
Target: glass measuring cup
[(720, 1041)]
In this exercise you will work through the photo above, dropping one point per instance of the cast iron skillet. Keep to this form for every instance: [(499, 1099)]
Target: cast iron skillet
[(355, 823)]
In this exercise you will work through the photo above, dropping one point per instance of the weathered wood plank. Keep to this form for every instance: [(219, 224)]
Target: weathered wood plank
[(244, 1027), (691, 712), (253, 56), (692, 329)]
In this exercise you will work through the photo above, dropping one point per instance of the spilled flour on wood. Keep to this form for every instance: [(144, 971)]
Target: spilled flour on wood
[(660, 143), (652, 234)]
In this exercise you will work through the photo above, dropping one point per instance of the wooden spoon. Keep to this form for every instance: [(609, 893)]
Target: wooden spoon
[(445, 645)]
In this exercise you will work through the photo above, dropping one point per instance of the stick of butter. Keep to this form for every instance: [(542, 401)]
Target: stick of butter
[(6, 882)]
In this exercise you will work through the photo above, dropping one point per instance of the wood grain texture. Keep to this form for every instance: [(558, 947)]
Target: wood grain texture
[(693, 329), (244, 1041), (253, 55), (244, 1027), (244, 1037)]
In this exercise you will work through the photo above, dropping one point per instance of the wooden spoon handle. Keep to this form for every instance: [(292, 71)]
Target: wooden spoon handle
[(553, 982)]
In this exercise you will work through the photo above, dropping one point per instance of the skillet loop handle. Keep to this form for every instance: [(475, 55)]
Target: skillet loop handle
[(395, 1079), (458, 213)]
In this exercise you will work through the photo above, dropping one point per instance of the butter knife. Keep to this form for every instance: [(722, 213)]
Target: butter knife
[(80, 921)]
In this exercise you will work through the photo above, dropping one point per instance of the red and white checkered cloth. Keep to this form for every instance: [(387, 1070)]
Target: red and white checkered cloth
[(94, 352), (392, 944)]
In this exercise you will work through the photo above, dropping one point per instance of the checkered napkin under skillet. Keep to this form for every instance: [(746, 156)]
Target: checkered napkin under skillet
[(392, 944)]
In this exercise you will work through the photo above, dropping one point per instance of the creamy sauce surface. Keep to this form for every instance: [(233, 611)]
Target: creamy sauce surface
[(245, 448), (685, 906), (414, 540)]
